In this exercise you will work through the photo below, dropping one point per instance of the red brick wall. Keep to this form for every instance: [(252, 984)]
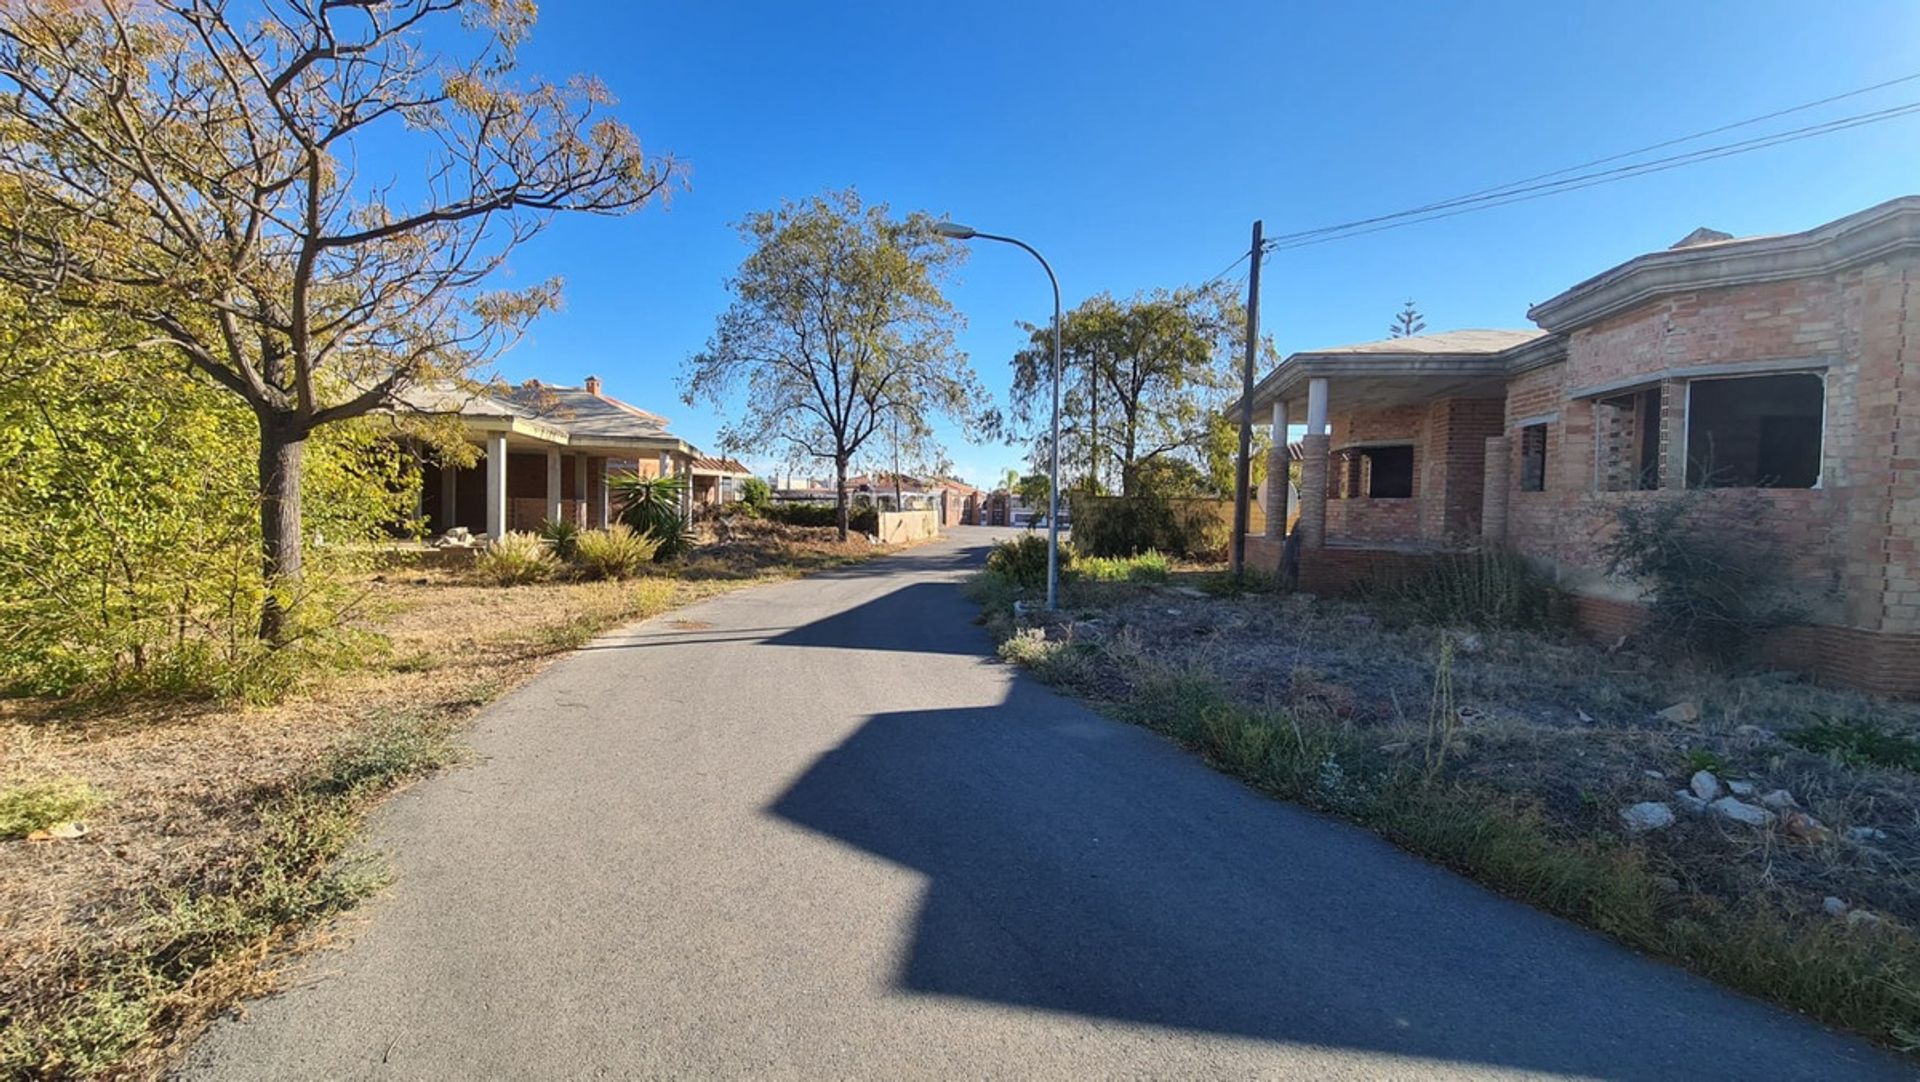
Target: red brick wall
[(1331, 572)]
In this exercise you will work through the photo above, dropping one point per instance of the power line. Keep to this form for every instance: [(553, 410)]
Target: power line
[(1665, 143), (1520, 192)]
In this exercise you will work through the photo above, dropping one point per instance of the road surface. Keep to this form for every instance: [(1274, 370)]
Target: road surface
[(814, 830)]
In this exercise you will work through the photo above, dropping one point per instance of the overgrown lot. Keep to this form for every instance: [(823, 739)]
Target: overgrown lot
[(1514, 756), (217, 833)]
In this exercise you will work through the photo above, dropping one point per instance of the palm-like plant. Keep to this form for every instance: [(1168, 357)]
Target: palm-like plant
[(651, 505)]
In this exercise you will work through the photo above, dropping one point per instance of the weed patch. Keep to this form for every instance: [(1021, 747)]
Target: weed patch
[(31, 806)]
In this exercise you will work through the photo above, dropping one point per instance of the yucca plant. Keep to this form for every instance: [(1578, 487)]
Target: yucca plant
[(515, 558), (615, 552), (651, 505), (562, 534)]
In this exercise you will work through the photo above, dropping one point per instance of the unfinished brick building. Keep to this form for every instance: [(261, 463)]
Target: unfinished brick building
[(1781, 370)]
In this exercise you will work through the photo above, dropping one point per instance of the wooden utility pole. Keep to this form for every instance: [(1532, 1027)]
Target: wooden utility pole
[(1243, 467)]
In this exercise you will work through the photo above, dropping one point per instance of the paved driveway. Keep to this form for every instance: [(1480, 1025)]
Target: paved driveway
[(811, 830)]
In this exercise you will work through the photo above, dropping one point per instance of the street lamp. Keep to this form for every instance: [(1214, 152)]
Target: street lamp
[(956, 231)]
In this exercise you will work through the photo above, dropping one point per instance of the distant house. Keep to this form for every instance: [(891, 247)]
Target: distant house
[(1777, 368), (547, 453), (717, 480)]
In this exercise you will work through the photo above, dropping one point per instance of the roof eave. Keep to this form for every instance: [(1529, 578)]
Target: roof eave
[(1858, 238)]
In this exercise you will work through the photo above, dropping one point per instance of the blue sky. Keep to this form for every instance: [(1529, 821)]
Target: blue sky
[(1134, 143)]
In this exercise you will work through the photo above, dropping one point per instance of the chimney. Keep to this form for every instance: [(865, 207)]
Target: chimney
[(593, 386)]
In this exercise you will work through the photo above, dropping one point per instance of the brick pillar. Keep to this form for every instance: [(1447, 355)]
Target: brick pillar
[(1313, 490), (1277, 463), (1493, 491)]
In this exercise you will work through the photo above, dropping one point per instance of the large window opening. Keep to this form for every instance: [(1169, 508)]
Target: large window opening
[(1388, 472), (1533, 458), (1755, 432), (1628, 428)]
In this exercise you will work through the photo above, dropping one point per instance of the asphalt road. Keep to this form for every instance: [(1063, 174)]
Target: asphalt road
[(813, 830)]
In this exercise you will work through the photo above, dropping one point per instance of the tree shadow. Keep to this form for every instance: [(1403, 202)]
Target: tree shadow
[(1075, 864)]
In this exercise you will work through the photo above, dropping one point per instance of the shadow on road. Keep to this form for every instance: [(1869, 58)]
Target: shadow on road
[(1076, 865)]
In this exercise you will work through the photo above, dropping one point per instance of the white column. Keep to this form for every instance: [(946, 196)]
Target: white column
[(1317, 407), (449, 480), (602, 496), (553, 484), (580, 489), (497, 485)]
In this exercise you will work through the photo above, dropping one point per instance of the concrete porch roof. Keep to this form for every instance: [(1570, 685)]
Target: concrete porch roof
[(1404, 371), (536, 416)]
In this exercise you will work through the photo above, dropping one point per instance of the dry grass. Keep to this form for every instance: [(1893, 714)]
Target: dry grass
[(1509, 755), (194, 790)]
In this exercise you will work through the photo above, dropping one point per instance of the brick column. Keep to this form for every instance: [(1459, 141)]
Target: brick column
[(1313, 490), (1277, 463), (1493, 491)]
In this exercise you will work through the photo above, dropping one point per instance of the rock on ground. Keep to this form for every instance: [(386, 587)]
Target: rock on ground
[(1647, 815)]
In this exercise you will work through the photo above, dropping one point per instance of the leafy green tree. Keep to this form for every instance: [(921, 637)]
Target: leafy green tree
[(128, 537), (838, 329), (1141, 379), (195, 172), (1034, 490)]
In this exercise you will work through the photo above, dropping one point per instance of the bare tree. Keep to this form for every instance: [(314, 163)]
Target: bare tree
[(837, 330), (200, 173)]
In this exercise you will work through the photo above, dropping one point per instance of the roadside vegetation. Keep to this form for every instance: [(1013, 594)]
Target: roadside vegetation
[(203, 835), (1456, 716)]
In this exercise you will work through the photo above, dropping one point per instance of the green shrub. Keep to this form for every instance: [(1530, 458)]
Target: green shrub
[(1130, 525), (651, 505), (859, 519), (1714, 589), (33, 806), (516, 558), (756, 494), (1857, 743), (1022, 561), (615, 552), (1149, 566), (1483, 589), (563, 535)]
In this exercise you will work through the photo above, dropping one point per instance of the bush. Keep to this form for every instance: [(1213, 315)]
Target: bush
[(1149, 566), (756, 494), (38, 805), (1130, 525), (859, 519), (1483, 589), (651, 505), (615, 552), (1023, 561), (516, 558), (1714, 590), (563, 535)]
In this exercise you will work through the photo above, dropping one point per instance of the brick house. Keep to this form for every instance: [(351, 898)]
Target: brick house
[(547, 453), (1777, 369)]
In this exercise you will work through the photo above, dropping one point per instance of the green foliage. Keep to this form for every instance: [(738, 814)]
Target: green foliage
[(615, 552), (1023, 560), (651, 506), (756, 493), (1149, 566), (129, 531), (1035, 491), (30, 806), (1714, 588), (563, 535), (1857, 743), (859, 519), (1699, 759), (1123, 526), (1497, 589), (516, 558)]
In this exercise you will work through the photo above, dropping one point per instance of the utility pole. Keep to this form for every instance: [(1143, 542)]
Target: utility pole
[(1243, 468), (898, 503)]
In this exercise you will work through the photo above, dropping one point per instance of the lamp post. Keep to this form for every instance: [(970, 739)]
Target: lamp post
[(956, 231)]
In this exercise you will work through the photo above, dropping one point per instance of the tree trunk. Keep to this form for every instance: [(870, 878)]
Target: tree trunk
[(282, 454), (840, 492)]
